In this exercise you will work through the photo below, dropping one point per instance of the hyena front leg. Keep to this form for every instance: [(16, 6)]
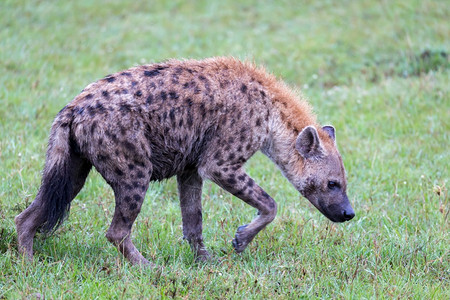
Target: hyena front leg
[(190, 193), (237, 182), (129, 198)]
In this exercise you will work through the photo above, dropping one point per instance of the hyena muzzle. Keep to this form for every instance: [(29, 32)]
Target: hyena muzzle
[(195, 120)]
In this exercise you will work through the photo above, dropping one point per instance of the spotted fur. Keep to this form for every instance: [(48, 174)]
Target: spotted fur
[(192, 119)]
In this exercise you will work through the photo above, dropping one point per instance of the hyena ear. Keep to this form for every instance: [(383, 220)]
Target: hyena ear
[(308, 143), (330, 131)]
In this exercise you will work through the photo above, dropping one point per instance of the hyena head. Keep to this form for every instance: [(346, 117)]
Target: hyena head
[(322, 178)]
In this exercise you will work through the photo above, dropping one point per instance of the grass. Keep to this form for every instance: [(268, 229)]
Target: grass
[(377, 70)]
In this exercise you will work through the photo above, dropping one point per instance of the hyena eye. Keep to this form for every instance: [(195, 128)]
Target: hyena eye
[(333, 185)]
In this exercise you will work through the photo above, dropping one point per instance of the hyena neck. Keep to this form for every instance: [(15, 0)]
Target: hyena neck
[(290, 114)]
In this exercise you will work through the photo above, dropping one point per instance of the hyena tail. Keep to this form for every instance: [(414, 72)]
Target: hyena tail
[(57, 190)]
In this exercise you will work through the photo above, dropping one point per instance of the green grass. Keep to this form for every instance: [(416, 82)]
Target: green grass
[(376, 70)]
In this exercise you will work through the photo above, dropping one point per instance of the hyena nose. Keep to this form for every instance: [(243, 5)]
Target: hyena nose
[(348, 214)]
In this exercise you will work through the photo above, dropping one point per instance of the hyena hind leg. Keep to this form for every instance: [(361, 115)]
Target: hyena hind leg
[(129, 198), (37, 213), (190, 193)]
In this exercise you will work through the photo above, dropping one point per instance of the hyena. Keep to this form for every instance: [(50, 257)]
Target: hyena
[(197, 120)]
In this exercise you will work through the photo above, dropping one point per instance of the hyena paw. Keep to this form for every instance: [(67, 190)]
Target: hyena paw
[(202, 255), (240, 242)]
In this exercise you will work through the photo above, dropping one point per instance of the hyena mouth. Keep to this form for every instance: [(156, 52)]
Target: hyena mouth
[(336, 213)]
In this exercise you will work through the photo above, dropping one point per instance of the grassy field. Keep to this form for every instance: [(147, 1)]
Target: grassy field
[(377, 70)]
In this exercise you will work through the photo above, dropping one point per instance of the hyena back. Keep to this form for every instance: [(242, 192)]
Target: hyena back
[(194, 119)]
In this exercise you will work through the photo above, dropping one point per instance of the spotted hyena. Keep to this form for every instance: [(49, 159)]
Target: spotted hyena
[(195, 120)]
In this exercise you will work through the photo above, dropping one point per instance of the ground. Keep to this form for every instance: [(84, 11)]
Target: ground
[(377, 71)]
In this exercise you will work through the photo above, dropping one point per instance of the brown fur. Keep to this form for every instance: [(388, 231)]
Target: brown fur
[(193, 119)]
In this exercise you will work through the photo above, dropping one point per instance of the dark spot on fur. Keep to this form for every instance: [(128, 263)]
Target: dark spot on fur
[(100, 108), (90, 110), (241, 177), (231, 156), (89, 96), (133, 206), (231, 180), (263, 94), (231, 140), (93, 127), (125, 220), (243, 88), (118, 172), (136, 197), (265, 195), (202, 109), (139, 163), (250, 182), (196, 89), (258, 122), (190, 121), (127, 199), (220, 162), (217, 174), (102, 157), (128, 145), (105, 94), (124, 91), (151, 73), (217, 155), (248, 147), (110, 79), (173, 95), (149, 99), (172, 114), (163, 95), (225, 169), (124, 107), (140, 174), (130, 166), (180, 123), (134, 83), (239, 149), (125, 73), (138, 94)]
